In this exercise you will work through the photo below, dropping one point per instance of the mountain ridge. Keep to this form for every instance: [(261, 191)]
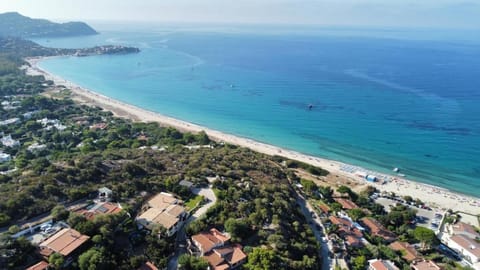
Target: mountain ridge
[(16, 25)]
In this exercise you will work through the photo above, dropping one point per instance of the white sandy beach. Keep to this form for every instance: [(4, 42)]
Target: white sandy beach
[(434, 196)]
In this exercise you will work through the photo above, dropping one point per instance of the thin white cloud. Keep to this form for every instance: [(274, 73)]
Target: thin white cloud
[(441, 13)]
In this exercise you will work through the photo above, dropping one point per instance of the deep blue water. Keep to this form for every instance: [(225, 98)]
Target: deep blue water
[(409, 102)]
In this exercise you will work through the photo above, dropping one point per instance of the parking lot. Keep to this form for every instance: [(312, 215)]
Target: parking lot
[(425, 218), (39, 235)]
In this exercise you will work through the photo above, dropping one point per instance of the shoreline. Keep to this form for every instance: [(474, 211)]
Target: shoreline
[(437, 197)]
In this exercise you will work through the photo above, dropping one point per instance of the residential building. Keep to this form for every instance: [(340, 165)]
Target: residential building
[(214, 247), (99, 126), (463, 229), (105, 194), (381, 265), (43, 265), (29, 115), (9, 142), (377, 229), (51, 123), (347, 230), (100, 209), (226, 258), (346, 204), (408, 251), (148, 266), (68, 242), (206, 241), (9, 121), (424, 265), (4, 157), (165, 210), (35, 147), (186, 184), (469, 248), (325, 209)]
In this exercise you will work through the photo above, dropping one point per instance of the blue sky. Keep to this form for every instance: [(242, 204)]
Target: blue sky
[(403, 13)]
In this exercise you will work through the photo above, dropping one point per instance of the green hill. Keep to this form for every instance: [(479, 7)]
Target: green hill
[(17, 25)]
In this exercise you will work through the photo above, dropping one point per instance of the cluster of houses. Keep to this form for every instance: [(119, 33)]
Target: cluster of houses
[(67, 241), (352, 233), (51, 123), (163, 209)]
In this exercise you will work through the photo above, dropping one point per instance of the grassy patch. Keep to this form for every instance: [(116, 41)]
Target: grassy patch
[(192, 202)]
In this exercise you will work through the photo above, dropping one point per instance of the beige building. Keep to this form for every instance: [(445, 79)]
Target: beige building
[(165, 210)]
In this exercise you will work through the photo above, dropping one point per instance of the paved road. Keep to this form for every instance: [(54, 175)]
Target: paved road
[(46, 216), (181, 238), (307, 209)]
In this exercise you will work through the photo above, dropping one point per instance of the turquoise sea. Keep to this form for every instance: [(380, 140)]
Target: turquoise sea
[(380, 98)]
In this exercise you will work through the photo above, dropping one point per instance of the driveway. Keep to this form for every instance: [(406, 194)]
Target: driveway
[(181, 238)]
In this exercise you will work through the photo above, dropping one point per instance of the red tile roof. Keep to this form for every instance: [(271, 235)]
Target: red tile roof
[(461, 227), (346, 204), (324, 208), (340, 221), (425, 265), (377, 229), (102, 209), (39, 266), (409, 252), (382, 265), (228, 256), (148, 266), (64, 242), (209, 240), (353, 241)]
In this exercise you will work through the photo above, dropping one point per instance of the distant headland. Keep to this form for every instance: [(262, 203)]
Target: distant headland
[(13, 24)]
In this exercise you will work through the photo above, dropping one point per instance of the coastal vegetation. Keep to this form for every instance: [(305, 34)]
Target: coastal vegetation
[(85, 148)]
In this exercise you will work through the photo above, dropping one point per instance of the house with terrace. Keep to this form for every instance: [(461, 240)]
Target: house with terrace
[(67, 242), (101, 208), (214, 246), (164, 210)]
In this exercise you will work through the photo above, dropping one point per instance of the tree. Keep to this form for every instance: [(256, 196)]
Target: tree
[(326, 192), (359, 263), (336, 207), (56, 260), (92, 259), (13, 229), (187, 262), (238, 229), (309, 186), (59, 212), (262, 259), (356, 213), (344, 190), (426, 237)]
